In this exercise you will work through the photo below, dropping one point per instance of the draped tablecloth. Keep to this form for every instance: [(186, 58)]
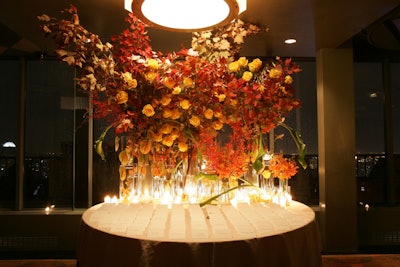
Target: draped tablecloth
[(258, 234)]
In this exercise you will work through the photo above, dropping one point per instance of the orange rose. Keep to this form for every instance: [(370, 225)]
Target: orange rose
[(218, 125), (166, 128), (165, 100), (150, 76), (185, 104), (148, 110), (156, 137), (187, 82), (182, 146), (169, 82), (168, 141), (175, 114), (145, 146), (167, 113), (209, 113), (195, 121), (122, 97)]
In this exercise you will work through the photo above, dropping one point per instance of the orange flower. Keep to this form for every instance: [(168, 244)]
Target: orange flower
[(187, 82), (122, 97), (175, 114), (150, 76), (177, 90), (182, 146), (165, 100), (209, 113), (185, 104), (167, 113), (195, 121), (148, 110), (282, 168), (169, 82), (168, 141)]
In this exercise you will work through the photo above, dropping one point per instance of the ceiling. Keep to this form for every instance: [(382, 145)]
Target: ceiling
[(314, 23)]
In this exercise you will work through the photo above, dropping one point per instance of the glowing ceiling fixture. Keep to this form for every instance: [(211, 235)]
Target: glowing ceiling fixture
[(290, 41), (186, 15)]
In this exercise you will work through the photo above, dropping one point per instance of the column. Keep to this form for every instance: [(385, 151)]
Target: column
[(336, 149)]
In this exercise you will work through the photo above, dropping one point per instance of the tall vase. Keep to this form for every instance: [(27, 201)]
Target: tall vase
[(284, 195), (126, 182), (224, 190)]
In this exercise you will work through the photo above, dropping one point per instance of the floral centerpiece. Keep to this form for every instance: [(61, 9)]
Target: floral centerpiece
[(204, 106)]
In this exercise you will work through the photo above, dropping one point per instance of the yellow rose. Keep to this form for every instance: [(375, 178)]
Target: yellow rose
[(217, 114), (185, 104), (233, 102), (261, 88), (148, 110), (169, 82), (283, 89), (255, 65), (288, 79), (247, 75), (175, 133), (242, 61), (195, 121), (166, 128), (187, 82), (156, 137), (177, 90), (145, 146), (121, 97), (150, 76), (266, 174), (221, 97), (152, 64), (233, 66), (175, 114), (167, 141), (275, 73), (165, 100), (132, 83), (182, 146), (167, 113), (209, 113), (218, 125)]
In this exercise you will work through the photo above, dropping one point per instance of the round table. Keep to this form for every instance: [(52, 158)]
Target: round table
[(257, 234)]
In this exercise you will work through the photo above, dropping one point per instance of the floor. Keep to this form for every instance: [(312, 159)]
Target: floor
[(359, 260)]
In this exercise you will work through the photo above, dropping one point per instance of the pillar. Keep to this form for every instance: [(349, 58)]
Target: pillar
[(336, 150)]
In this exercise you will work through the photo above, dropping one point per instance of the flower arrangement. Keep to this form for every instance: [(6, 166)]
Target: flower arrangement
[(204, 102)]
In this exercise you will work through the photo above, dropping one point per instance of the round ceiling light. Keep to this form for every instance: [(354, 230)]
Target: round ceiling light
[(186, 15)]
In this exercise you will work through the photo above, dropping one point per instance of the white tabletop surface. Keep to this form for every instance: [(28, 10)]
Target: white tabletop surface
[(191, 223)]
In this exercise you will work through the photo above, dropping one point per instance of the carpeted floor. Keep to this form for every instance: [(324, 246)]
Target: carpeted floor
[(359, 260), (362, 260)]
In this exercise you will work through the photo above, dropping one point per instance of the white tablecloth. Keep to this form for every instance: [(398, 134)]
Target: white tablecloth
[(188, 235)]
